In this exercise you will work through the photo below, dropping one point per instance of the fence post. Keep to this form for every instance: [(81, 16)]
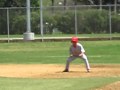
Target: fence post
[(115, 6), (41, 18), (8, 25), (100, 1), (76, 21), (110, 22), (28, 35)]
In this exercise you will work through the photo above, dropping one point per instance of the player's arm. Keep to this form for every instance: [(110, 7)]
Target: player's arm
[(70, 50), (81, 54), (82, 51)]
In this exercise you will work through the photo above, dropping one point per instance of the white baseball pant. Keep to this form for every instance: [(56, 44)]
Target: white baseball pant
[(84, 57)]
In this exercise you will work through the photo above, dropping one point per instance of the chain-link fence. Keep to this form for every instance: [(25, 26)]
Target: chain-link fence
[(81, 20)]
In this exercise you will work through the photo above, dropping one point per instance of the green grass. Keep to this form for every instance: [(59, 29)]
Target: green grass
[(54, 84), (100, 52)]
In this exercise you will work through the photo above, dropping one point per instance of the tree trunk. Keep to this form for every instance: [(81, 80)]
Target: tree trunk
[(115, 6), (65, 2), (52, 1)]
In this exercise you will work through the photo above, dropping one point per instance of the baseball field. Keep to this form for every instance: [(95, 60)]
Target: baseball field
[(39, 66)]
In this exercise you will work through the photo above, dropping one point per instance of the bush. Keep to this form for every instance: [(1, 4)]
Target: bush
[(66, 23), (93, 21), (88, 21), (116, 24)]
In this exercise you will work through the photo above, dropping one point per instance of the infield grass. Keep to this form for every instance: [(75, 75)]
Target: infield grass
[(100, 52), (55, 84)]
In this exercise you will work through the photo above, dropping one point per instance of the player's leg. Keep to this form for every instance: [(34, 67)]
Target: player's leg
[(71, 58), (84, 57)]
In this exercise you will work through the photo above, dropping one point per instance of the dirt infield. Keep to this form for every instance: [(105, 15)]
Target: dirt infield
[(55, 71)]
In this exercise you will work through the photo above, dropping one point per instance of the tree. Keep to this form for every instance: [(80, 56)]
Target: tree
[(97, 2), (10, 3), (76, 2), (52, 2), (108, 1), (104, 2), (65, 2), (17, 3)]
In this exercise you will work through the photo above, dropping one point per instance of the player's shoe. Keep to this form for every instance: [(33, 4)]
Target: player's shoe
[(66, 70), (88, 70)]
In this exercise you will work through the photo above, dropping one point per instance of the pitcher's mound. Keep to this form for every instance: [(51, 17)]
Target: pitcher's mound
[(55, 71)]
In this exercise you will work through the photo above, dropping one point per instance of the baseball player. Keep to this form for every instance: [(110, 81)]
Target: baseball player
[(76, 51)]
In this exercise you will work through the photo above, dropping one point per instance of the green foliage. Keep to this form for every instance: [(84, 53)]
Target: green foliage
[(93, 21), (65, 23), (18, 3), (18, 21), (58, 18), (115, 23), (88, 21), (2, 3), (3, 22)]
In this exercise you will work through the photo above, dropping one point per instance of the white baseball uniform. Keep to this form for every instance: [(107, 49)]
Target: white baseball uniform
[(74, 53)]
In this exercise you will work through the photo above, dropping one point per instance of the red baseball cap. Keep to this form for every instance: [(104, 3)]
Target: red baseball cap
[(74, 39)]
